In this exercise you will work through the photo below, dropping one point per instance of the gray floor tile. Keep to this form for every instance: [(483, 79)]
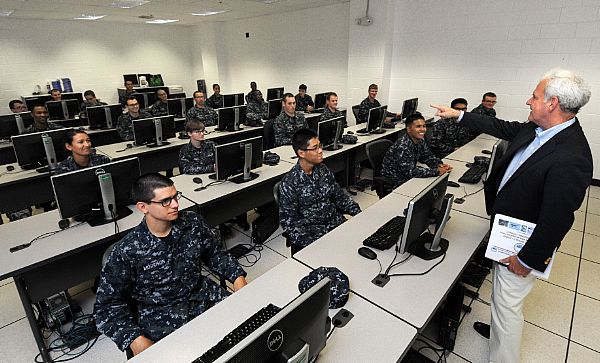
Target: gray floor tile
[(18, 345), (557, 304), (12, 309), (586, 322), (588, 279), (594, 192), (591, 247), (365, 200), (579, 222), (593, 206), (592, 224), (564, 271), (267, 259), (571, 244), (539, 345), (469, 343), (581, 354)]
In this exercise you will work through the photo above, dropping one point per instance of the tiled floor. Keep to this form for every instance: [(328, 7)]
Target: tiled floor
[(562, 315)]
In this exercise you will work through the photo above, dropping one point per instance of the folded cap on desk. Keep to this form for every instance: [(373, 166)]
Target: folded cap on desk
[(340, 285)]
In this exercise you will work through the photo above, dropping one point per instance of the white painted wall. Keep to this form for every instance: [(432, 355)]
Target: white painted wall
[(441, 52), (93, 55)]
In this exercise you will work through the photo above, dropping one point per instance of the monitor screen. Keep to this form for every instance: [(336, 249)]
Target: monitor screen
[(131, 77), (72, 96), (236, 99), (144, 130), (29, 148), (274, 93), (320, 100), (179, 107), (230, 158), (230, 116), (328, 131), (274, 107), (31, 101), (78, 192), (62, 110), (498, 152), (409, 107), (376, 118), (297, 333), (9, 126), (102, 117)]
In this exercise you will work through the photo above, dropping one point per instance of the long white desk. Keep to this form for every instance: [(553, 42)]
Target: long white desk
[(279, 286), (466, 153)]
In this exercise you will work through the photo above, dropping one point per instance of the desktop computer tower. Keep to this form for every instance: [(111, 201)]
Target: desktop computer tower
[(451, 316), (266, 223)]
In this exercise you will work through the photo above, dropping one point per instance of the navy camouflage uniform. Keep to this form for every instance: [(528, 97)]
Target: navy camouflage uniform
[(447, 135), (312, 205), (400, 161), (328, 115), (160, 108), (125, 124), (365, 106), (205, 114), (302, 103), (285, 126), (193, 160), (50, 126), (151, 286), (215, 101), (69, 163), (256, 111)]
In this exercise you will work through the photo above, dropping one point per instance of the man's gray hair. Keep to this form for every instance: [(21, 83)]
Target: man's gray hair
[(570, 89)]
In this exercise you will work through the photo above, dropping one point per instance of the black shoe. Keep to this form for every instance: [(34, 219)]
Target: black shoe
[(482, 328)]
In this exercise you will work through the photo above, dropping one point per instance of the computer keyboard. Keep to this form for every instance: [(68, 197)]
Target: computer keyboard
[(238, 334), (387, 235), (473, 174)]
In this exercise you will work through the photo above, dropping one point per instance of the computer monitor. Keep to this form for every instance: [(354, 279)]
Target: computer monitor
[(409, 107), (72, 96), (14, 124), (274, 108), (431, 206), (236, 99), (320, 100), (297, 333), (154, 131), (239, 157), (274, 93), (131, 77), (39, 149), (103, 117), (31, 101), (100, 194), (176, 95), (63, 109), (179, 107), (230, 118), (498, 151), (375, 121), (151, 98), (329, 132)]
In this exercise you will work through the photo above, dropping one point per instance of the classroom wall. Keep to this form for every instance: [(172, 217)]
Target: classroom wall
[(464, 50), (94, 55)]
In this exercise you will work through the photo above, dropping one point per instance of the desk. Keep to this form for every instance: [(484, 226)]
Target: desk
[(20, 189), (413, 299), (474, 204), (472, 149), (279, 286)]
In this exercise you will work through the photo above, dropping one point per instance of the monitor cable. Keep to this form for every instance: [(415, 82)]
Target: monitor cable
[(41, 236)]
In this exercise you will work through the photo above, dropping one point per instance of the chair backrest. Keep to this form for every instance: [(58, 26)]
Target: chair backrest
[(276, 192), (355, 112), (375, 152), (268, 135), (107, 253)]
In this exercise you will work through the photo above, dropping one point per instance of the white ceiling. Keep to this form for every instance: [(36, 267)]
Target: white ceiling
[(164, 9)]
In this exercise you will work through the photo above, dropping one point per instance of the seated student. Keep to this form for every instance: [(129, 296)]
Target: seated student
[(331, 110), (486, 107), (40, 121), (125, 121), (55, 94), (256, 109), (303, 101), (198, 156), (152, 283), (17, 106), (311, 203), (160, 107), (128, 92), (448, 135), (90, 101), (400, 161), (216, 100), (82, 155), (201, 111), (288, 122), (371, 102), (252, 89)]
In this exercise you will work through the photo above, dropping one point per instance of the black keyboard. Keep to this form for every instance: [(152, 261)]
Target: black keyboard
[(473, 174), (387, 235), (238, 334)]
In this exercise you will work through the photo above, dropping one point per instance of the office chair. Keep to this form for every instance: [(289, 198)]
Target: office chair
[(355, 112), (276, 197), (375, 152), (268, 135)]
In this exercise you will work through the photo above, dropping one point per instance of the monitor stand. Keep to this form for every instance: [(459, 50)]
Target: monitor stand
[(164, 143), (332, 147), (336, 145), (240, 178), (97, 219), (247, 175), (378, 131), (423, 244)]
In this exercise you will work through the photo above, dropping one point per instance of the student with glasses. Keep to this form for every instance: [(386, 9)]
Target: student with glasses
[(201, 111), (311, 202), (152, 283), (125, 121), (448, 134), (198, 156), (486, 107)]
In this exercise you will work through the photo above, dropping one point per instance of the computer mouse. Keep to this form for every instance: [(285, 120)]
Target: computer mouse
[(197, 180), (459, 200), (486, 152), (129, 146), (10, 168), (453, 184), (350, 133), (366, 252)]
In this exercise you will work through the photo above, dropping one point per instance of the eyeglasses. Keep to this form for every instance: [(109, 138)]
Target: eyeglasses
[(460, 108), (167, 201), (320, 146), (197, 131), (492, 102)]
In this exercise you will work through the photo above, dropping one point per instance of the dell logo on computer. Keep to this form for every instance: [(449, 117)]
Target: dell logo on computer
[(275, 340)]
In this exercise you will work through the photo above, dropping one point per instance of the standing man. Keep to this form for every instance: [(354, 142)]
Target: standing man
[(156, 270), (486, 107), (542, 178), (55, 94), (128, 92), (216, 100), (201, 111), (303, 101), (17, 106), (160, 107), (447, 134), (125, 121), (371, 102), (288, 122)]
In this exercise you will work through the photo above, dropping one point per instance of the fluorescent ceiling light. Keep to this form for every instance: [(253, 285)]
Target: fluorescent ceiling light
[(161, 21), (89, 17), (6, 12), (209, 12), (128, 4)]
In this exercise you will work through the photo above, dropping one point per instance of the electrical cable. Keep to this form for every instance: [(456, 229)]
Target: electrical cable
[(421, 273), (41, 236)]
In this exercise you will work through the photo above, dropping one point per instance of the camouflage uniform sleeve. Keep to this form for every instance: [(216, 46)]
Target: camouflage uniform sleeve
[(197, 164), (302, 120), (363, 111), (253, 112), (212, 117), (428, 158), (278, 131), (437, 141), (113, 316), (341, 200), (124, 128), (63, 167)]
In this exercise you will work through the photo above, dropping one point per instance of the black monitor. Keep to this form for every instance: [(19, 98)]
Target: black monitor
[(320, 100), (40, 148), (14, 124), (239, 157), (297, 333), (236, 99), (63, 109), (431, 206), (154, 131), (230, 118), (498, 151), (103, 117), (179, 107), (274, 108), (375, 121), (100, 194), (274, 93), (409, 107), (131, 77), (151, 98), (329, 132), (31, 101), (176, 95), (72, 96)]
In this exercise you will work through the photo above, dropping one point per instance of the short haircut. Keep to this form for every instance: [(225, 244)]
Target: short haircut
[(38, 105), (12, 103), (130, 98), (412, 118), (301, 138), (287, 95), (488, 94), (302, 86), (373, 86), (331, 94), (161, 89), (69, 135), (457, 101), (194, 124), (203, 94), (570, 89), (144, 186), (89, 93), (54, 90), (216, 85)]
